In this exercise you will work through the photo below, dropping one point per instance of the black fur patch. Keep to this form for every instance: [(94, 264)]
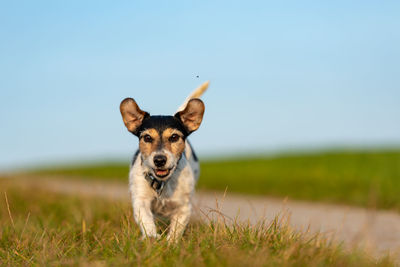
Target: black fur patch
[(160, 123), (135, 157), (194, 154)]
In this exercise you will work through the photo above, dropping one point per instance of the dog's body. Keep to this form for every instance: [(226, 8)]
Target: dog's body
[(165, 169), (174, 201)]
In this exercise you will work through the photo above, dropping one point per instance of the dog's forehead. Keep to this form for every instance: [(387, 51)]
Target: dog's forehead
[(160, 123)]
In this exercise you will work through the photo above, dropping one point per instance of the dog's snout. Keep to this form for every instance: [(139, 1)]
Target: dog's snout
[(160, 160)]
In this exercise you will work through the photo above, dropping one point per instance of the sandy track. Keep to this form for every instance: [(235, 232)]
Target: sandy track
[(378, 231)]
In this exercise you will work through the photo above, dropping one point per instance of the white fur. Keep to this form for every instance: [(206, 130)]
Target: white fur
[(173, 202), (197, 93)]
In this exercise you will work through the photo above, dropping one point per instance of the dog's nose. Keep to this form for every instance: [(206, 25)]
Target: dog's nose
[(160, 160)]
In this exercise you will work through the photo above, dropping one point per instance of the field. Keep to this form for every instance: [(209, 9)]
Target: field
[(43, 228), (365, 178)]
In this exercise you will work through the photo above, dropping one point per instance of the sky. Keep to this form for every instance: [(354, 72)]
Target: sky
[(283, 74)]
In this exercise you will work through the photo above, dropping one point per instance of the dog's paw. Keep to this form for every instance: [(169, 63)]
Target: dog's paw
[(173, 239), (151, 237)]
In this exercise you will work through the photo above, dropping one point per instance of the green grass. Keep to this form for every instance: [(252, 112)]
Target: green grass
[(46, 229), (365, 178), (360, 178)]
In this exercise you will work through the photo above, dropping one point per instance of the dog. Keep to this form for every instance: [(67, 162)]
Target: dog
[(165, 169)]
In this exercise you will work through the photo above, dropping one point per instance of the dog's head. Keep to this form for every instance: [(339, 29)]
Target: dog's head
[(162, 138)]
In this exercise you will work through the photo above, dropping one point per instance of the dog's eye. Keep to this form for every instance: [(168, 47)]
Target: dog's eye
[(147, 138), (174, 138)]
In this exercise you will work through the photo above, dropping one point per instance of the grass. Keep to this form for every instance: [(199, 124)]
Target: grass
[(364, 178), (42, 228)]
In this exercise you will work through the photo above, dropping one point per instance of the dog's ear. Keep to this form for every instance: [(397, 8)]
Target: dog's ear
[(192, 115), (132, 115)]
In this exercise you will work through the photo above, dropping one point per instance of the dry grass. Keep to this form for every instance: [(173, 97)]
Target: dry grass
[(42, 228)]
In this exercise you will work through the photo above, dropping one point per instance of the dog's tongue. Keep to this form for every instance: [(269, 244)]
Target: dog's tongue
[(161, 172)]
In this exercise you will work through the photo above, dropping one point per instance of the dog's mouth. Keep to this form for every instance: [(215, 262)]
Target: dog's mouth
[(162, 173)]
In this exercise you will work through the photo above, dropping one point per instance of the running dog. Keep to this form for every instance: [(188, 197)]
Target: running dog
[(165, 169)]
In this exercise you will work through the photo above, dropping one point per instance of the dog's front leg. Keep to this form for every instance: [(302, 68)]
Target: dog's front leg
[(179, 220), (144, 217)]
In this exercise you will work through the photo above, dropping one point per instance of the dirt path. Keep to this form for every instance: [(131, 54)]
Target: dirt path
[(375, 230)]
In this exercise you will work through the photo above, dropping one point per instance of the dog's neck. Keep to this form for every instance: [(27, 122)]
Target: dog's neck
[(154, 183)]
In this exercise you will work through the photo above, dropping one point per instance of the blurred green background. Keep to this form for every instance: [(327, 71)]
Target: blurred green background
[(369, 178)]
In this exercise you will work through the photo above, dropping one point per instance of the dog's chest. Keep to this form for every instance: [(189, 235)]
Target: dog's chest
[(164, 207)]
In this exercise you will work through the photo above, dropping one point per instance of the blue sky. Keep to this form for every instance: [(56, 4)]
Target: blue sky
[(284, 74)]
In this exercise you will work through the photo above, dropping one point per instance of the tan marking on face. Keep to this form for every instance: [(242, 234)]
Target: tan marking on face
[(147, 148), (176, 148)]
